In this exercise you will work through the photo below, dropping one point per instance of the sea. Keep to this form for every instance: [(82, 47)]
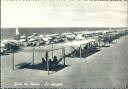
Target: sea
[(10, 32)]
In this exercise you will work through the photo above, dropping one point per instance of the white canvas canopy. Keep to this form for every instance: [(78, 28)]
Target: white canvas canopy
[(78, 43), (22, 40)]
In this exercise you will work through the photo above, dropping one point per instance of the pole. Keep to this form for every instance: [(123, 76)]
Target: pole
[(80, 51), (39, 43), (116, 38), (63, 51), (99, 42), (33, 56), (46, 57), (52, 50), (13, 61)]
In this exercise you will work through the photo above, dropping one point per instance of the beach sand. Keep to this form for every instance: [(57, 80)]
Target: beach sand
[(104, 69)]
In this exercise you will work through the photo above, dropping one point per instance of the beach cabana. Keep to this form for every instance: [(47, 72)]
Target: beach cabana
[(80, 43)]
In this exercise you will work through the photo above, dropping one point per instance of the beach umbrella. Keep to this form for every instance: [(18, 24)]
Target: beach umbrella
[(45, 39), (29, 37), (16, 41), (41, 36), (2, 45), (79, 37), (22, 40), (37, 37), (11, 46), (5, 41), (22, 37), (35, 34), (32, 39)]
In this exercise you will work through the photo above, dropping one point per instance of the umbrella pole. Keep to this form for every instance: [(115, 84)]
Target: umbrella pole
[(13, 61), (52, 51), (80, 51), (39, 43), (64, 56), (33, 56), (63, 53), (46, 57), (99, 44)]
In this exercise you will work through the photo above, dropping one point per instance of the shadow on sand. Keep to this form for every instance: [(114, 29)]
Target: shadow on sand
[(105, 46), (84, 55), (41, 66)]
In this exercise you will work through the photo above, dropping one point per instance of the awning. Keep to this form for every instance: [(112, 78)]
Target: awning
[(78, 43)]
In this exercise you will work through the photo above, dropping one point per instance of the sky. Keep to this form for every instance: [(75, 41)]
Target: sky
[(59, 13)]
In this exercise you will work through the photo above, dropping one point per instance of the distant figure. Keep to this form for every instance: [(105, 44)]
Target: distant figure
[(86, 47), (89, 44), (50, 62), (55, 60), (46, 56), (31, 44), (34, 44), (43, 61)]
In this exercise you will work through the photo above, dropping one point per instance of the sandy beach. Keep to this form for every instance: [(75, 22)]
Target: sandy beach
[(104, 69)]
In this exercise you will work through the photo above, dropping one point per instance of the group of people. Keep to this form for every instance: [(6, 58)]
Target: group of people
[(50, 62)]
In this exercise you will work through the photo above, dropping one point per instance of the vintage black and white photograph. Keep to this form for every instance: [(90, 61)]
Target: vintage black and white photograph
[(64, 44)]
